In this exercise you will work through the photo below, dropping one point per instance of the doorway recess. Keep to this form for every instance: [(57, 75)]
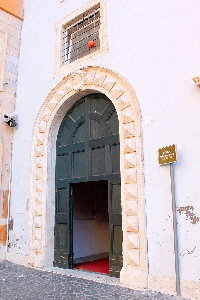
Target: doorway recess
[(88, 189)]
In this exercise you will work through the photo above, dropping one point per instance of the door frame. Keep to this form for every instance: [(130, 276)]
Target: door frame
[(79, 135), (41, 205)]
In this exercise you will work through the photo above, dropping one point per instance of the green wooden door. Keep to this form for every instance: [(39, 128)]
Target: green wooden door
[(62, 255), (115, 228), (88, 149)]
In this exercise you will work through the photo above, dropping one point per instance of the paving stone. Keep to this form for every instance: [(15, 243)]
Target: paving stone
[(19, 282)]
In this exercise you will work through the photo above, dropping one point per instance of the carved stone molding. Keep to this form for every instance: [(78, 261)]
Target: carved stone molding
[(61, 98)]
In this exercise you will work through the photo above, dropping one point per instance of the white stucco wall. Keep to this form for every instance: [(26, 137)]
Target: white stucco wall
[(155, 45)]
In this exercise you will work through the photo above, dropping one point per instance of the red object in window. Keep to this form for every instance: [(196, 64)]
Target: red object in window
[(91, 44)]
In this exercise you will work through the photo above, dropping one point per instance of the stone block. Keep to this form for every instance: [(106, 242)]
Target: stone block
[(39, 151), (131, 190), (11, 68), (132, 224), (130, 160), (131, 177), (38, 186), (3, 234), (13, 42), (133, 257), (123, 102), (108, 83), (129, 130), (13, 51), (128, 115), (133, 241), (39, 162), (129, 145), (15, 22), (99, 79), (38, 234), (131, 208), (89, 78), (117, 91), (10, 76), (39, 174), (10, 59)]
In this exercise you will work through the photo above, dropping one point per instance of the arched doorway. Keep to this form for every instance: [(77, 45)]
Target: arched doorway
[(87, 183), (89, 79)]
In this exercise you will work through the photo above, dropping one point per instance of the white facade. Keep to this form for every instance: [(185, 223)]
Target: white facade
[(153, 49)]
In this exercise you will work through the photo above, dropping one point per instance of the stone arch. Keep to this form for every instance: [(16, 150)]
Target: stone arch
[(41, 207)]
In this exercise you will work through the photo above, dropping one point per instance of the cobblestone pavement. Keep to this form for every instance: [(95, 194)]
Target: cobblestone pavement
[(19, 282)]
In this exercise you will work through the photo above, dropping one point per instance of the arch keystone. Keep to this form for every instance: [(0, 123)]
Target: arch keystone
[(89, 78), (99, 79)]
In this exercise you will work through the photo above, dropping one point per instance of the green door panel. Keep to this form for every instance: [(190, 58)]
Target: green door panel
[(87, 150), (115, 225), (62, 228)]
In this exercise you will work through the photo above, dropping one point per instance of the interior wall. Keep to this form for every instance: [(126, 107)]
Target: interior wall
[(90, 237), (90, 218)]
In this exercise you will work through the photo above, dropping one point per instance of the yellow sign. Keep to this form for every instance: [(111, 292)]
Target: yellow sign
[(167, 155)]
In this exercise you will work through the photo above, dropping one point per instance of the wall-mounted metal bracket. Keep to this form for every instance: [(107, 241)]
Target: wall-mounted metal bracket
[(10, 119)]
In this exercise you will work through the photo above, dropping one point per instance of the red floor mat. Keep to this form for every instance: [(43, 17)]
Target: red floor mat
[(100, 265)]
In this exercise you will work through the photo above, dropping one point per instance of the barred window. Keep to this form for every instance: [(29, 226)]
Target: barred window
[(77, 34)]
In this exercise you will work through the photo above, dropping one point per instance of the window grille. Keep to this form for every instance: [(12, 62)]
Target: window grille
[(75, 37)]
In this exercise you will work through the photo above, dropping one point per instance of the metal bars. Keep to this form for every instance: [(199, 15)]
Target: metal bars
[(75, 37)]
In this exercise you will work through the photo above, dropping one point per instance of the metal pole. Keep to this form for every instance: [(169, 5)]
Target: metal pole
[(177, 270)]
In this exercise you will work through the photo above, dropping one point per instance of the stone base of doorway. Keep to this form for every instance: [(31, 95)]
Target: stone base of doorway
[(97, 277), (133, 278), (166, 285)]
